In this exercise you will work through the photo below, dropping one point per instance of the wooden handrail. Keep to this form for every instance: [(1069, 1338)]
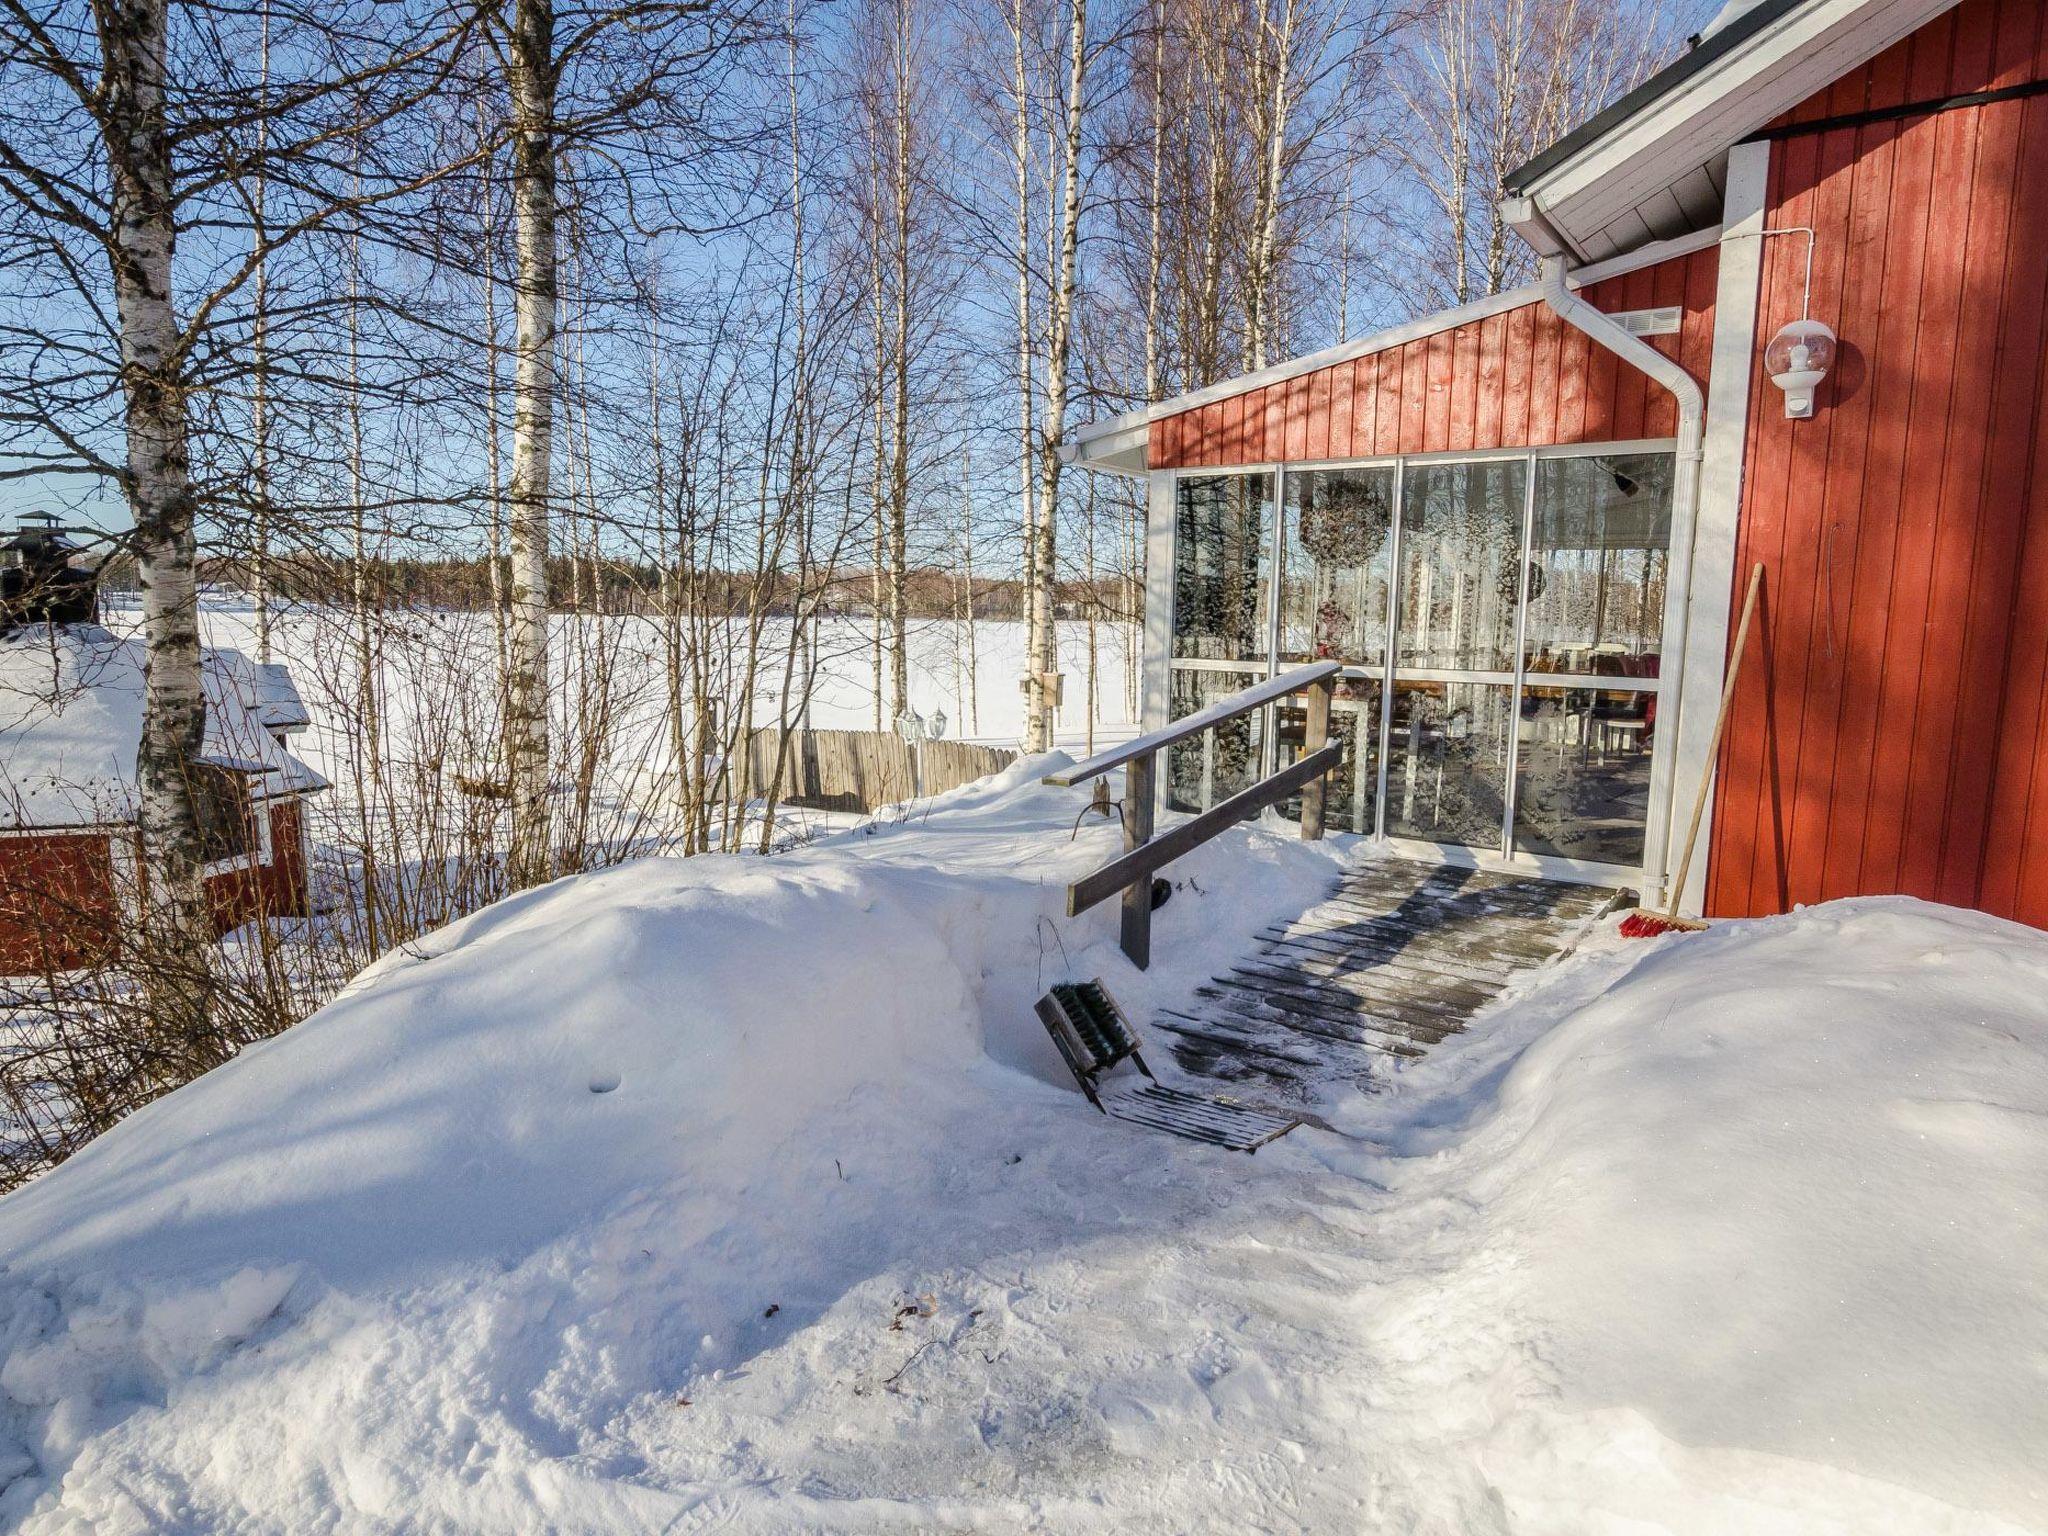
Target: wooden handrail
[(1242, 702), (1142, 857), (1144, 861)]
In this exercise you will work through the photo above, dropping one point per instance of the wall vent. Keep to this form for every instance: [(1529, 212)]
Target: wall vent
[(1652, 322)]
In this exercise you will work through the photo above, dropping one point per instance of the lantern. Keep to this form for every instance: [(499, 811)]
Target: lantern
[(1797, 359)]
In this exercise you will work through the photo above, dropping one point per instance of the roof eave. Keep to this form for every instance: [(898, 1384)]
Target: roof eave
[(1578, 197)]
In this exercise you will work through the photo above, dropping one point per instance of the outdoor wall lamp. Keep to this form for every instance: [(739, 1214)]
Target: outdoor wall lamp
[(1802, 352), (1797, 359)]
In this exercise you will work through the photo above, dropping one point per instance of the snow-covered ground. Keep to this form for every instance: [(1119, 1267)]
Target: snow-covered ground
[(743, 1194)]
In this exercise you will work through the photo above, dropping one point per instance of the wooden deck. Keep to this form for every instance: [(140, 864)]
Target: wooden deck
[(1397, 956)]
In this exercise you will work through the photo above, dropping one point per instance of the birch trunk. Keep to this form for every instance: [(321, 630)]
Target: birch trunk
[(259, 412), (177, 926), (1059, 345), (495, 526), (367, 758), (527, 746), (899, 415), (1020, 149), (1155, 204), (967, 561), (1258, 301)]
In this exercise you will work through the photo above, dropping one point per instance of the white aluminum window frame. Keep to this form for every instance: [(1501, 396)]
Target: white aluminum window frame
[(1161, 553)]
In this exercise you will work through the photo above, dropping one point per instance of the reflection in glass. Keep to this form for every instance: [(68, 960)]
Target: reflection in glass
[(1218, 763), (1333, 600), (1461, 573), (1582, 776), (1599, 551), (1221, 566), (1354, 721), (1447, 762)]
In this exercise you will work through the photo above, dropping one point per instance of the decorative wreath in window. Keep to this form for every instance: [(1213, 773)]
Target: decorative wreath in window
[(1345, 522)]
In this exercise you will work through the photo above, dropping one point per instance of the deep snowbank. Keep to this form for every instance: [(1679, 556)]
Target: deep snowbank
[(1740, 1231), (1770, 1212)]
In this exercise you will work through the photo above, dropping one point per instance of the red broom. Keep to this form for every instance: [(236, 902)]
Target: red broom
[(1647, 925)]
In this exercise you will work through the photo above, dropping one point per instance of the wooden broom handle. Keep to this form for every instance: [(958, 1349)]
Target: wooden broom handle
[(1699, 803)]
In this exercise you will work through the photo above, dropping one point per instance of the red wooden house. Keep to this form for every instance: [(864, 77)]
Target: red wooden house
[(1526, 523), (70, 721)]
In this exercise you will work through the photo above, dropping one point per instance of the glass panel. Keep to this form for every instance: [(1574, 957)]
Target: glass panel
[(1461, 537), (1447, 762), (1333, 597), (1582, 782), (1222, 566), (1599, 551), (1355, 721), (1219, 762)]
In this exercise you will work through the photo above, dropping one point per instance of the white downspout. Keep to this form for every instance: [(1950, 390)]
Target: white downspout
[(1685, 490)]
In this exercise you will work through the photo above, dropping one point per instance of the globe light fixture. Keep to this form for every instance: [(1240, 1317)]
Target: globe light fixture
[(1797, 359)]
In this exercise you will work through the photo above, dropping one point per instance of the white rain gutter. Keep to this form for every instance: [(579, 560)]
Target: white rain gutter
[(1685, 495)]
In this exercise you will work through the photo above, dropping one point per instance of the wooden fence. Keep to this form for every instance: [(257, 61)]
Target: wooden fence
[(861, 770)]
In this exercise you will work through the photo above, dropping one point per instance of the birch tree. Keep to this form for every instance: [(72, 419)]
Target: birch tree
[(1041, 571), (129, 135), (1487, 87), (637, 81)]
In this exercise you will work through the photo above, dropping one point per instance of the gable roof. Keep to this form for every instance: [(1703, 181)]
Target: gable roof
[(1654, 165), (1118, 443), (71, 723)]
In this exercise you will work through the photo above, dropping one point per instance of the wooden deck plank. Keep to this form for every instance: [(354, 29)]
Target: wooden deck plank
[(1398, 956)]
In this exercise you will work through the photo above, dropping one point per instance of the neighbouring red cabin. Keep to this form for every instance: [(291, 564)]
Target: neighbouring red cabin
[(71, 871), (1527, 534)]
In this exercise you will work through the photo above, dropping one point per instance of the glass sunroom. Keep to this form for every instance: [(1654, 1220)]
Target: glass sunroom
[(1500, 619)]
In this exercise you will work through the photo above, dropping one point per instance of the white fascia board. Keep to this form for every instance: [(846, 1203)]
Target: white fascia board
[(1107, 444), (1806, 50), (1111, 446)]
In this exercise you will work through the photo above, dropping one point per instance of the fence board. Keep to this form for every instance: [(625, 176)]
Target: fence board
[(864, 770)]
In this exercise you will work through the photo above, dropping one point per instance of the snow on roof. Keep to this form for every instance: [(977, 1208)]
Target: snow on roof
[(71, 722), (267, 691)]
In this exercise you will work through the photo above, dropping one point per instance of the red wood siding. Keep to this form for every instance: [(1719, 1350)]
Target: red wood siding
[(57, 908), (1518, 379), (275, 889), (1890, 733)]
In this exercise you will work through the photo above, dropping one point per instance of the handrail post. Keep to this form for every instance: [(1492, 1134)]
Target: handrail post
[(1315, 733), (1137, 897)]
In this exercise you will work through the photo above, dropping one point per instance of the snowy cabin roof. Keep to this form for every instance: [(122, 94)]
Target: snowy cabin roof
[(71, 722), (268, 690)]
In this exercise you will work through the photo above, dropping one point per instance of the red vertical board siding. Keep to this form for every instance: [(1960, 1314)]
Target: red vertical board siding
[(2017, 839), (1387, 429), (1464, 388), (276, 888), (1365, 385), (1297, 418), (1514, 404), (57, 905), (1413, 435), (1518, 379), (1863, 534), (1339, 445), (1891, 727), (1486, 422)]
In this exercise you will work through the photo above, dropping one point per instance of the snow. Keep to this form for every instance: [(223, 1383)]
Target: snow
[(746, 1194), (71, 722)]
